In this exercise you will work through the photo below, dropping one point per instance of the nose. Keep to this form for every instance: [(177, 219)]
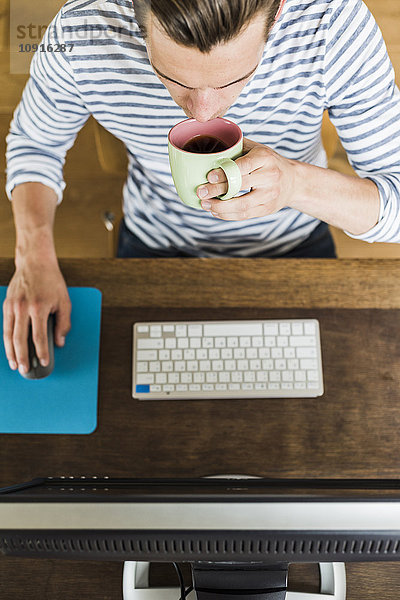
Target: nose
[(202, 104)]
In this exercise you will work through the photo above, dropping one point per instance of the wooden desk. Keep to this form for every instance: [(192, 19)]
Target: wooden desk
[(352, 431)]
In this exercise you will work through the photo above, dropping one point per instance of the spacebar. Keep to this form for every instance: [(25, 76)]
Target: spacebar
[(232, 329)]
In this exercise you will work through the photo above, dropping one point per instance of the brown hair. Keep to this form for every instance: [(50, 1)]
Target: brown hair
[(203, 24)]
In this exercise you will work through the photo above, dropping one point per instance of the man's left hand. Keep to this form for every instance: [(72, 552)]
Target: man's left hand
[(268, 176)]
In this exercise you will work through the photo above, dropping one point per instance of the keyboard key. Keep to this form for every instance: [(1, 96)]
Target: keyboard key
[(142, 389), (168, 387), (310, 328), (170, 343), (312, 375), (251, 353), (195, 331), (221, 387), (265, 352), (297, 329), (249, 376), (142, 367), (276, 352), (211, 377), (195, 342), (300, 376), (300, 385), (289, 352), (181, 331), (205, 365), (195, 387), (167, 366), (143, 378), (146, 355), (207, 387), (217, 365), (143, 328), (271, 329), (306, 352), (262, 376), (284, 329), (150, 343), (192, 365), (280, 364), (302, 340), (293, 364), (155, 331), (224, 377), (309, 363), (237, 376)]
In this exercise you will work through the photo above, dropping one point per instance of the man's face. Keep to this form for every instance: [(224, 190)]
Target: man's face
[(206, 85)]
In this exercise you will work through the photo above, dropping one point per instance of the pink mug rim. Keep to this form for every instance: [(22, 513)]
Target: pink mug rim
[(194, 120)]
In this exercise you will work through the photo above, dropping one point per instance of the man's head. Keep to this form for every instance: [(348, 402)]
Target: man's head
[(205, 51)]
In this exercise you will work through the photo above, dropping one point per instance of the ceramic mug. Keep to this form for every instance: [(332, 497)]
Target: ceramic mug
[(194, 150)]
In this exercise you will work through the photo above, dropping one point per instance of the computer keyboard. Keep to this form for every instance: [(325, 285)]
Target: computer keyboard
[(227, 359)]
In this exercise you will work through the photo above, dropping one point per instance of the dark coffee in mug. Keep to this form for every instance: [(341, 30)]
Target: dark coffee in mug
[(204, 144)]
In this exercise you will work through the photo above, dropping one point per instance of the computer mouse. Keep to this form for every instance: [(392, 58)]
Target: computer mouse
[(36, 371)]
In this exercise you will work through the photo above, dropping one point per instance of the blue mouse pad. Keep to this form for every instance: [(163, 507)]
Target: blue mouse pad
[(66, 400)]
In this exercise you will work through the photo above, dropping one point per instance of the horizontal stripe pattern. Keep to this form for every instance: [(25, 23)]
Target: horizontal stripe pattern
[(321, 54)]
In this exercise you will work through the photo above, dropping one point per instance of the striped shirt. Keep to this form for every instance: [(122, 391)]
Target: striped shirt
[(320, 54)]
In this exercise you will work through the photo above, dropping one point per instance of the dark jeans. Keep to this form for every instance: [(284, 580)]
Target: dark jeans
[(318, 245)]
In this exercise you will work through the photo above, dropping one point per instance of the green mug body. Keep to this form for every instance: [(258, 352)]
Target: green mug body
[(189, 169)]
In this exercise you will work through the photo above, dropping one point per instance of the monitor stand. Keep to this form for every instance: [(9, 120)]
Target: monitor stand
[(136, 585)]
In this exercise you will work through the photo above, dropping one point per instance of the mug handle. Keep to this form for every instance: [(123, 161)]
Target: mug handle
[(233, 176)]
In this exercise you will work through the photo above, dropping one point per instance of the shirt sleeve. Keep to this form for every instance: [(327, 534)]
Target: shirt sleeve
[(363, 102), (47, 119)]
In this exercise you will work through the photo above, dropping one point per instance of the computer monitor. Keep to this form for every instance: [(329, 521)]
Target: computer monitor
[(239, 535)]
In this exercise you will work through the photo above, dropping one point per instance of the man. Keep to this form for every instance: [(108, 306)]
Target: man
[(271, 66)]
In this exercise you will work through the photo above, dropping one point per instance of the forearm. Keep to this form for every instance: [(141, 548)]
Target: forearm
[(34, 206), (344, 201)]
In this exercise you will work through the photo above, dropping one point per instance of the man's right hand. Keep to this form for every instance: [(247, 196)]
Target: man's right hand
[(35, 291)]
